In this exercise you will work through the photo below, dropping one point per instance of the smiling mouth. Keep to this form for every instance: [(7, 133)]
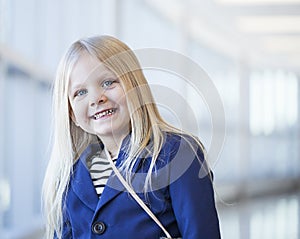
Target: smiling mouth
[(104, 113)]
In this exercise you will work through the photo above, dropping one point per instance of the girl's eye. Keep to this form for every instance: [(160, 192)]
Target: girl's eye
[(108, 83), (80, 92)]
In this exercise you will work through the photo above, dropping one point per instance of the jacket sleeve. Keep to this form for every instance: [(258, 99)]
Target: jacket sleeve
[(193, 200)]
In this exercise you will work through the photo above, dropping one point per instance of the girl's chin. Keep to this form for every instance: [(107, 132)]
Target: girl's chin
[(111, 133)]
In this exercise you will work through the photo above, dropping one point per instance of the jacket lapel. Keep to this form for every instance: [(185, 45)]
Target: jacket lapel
[(83, 187), (112, 189), (81, 182), (113, 186)]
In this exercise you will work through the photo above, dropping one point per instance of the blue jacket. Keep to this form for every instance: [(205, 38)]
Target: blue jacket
[(182, 198)]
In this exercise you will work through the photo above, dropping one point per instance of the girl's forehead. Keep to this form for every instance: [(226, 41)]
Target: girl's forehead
[(88, 67)]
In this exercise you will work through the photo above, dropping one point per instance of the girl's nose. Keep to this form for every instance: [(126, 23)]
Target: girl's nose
[(98, 99)]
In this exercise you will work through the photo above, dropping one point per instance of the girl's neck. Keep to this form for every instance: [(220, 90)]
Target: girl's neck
[(113, 144)]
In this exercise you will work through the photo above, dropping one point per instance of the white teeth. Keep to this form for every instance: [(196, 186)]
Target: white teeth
[(104, 113)]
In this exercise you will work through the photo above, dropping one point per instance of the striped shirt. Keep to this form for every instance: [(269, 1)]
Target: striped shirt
[(100, 170)]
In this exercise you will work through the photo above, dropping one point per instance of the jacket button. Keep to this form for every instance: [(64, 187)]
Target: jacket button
[(98, 227)]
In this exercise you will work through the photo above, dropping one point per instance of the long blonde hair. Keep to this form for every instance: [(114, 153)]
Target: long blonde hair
[(69, 141)]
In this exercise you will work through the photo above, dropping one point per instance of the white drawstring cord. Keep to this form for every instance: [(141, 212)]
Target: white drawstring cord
[(134, 195)]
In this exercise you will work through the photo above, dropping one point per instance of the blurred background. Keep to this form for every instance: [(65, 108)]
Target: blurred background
[(249, 48)]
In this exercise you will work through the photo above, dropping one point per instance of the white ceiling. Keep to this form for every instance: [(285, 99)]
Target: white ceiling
[(264, 33)]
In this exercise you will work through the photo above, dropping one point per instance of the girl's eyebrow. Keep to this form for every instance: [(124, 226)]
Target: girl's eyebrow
[(76, 86), (99, 74), (100, 70)]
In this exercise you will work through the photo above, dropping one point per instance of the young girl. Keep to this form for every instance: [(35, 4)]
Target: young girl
[(106, 121)]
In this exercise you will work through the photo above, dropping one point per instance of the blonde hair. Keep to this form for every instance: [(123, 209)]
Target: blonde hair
[(69, 141)]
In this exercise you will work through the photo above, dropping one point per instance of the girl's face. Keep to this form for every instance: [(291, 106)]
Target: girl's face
[(97, 99)]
